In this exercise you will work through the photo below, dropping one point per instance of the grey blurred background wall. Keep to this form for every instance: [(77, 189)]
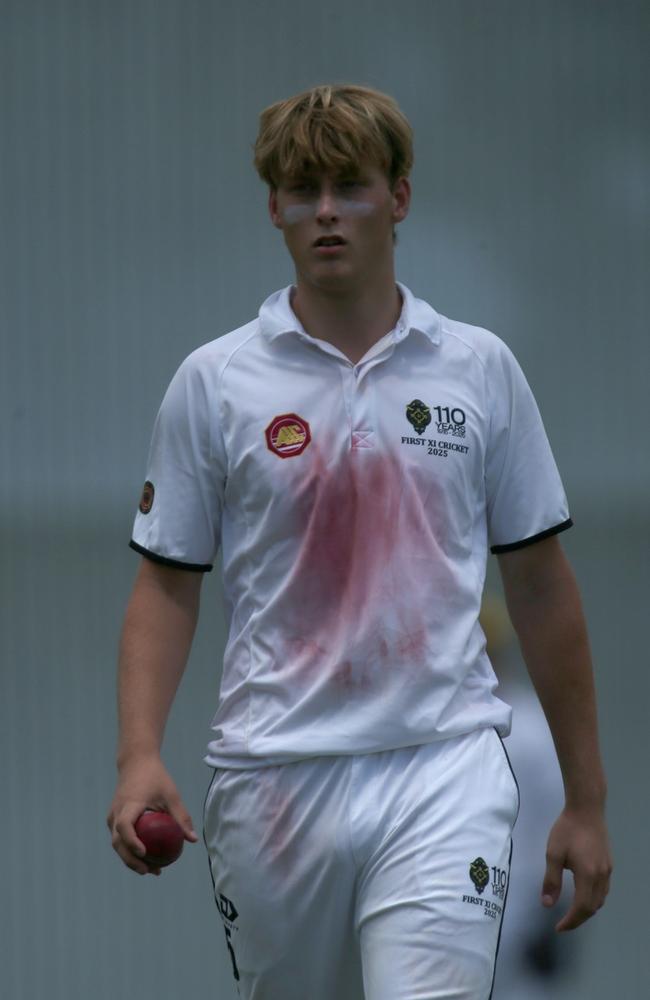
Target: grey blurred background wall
[(133, 228)]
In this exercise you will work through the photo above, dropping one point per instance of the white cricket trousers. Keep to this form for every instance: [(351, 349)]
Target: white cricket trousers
[(380, 876)]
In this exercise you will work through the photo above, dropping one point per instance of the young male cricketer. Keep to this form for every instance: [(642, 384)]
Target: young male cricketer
[(355, 454)]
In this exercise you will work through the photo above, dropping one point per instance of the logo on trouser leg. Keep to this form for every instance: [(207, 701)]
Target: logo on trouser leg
[(499, 882), (227, 909), (229, 914), (479, 872)]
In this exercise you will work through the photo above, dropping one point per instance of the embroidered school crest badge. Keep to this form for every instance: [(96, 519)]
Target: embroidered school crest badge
[(287, 435)]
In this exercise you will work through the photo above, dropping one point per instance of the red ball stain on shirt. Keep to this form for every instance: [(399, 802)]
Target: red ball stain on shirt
[(369, 570)]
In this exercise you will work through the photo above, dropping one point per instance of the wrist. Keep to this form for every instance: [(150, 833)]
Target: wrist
[(127, 757), (586, 799)]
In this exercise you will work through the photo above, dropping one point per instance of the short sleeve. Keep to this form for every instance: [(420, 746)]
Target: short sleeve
[(179, 517), (525, 496)]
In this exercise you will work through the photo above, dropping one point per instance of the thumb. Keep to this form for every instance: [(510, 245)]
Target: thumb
[(552, 886)]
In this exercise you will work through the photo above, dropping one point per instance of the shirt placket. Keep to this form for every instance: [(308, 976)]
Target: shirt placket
[(359, 403), (358, 393)]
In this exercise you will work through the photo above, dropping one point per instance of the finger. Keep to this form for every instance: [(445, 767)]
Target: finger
[(584, 905), (605, 886), (601, 890), (552, 885), (578, 914), (132, 860), (591, 892), (125, 830), (127, 843), (184, 820)]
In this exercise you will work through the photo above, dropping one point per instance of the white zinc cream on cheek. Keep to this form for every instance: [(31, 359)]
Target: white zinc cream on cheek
[(292, 214)]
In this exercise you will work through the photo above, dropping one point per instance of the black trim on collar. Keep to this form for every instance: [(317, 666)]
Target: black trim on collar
[(511, 546), (164, 561)]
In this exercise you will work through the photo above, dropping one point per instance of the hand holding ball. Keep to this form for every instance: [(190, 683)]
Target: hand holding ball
[(162, 837)]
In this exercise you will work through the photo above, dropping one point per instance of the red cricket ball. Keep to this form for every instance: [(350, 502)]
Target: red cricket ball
[(162, 837)]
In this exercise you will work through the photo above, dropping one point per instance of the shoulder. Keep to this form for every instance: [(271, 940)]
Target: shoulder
[(488, 349), (198, 378), (212, 358)]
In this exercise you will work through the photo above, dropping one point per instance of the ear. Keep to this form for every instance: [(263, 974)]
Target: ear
[(273, 208), (401, 199)]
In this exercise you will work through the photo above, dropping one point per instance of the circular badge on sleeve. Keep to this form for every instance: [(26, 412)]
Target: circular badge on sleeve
[(146, 500)]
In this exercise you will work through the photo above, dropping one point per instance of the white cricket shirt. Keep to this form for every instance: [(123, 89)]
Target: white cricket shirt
[(354, 505)]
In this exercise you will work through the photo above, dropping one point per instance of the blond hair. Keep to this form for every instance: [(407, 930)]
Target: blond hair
[(333, 129)]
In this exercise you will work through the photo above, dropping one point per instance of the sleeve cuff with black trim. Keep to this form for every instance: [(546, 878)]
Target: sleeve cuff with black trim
[(511, 546), (164, 561)]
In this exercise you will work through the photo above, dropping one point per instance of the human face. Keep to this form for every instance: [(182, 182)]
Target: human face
[(359, 207)]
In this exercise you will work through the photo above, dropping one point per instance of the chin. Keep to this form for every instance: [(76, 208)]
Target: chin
[(332, 281)]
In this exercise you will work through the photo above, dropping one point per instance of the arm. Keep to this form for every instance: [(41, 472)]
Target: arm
[(545, 608), (156, 638)]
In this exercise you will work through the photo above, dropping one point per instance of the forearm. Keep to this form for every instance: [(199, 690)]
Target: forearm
[(546, 611), (547, 615), (156, 638)]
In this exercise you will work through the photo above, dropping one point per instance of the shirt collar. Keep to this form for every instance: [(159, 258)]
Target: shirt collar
[(277, 317)]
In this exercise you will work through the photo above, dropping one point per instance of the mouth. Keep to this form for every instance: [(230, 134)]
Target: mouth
[(329, 241), (332, 246)]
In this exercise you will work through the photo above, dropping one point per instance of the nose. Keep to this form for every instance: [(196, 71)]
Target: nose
[(327, 208)]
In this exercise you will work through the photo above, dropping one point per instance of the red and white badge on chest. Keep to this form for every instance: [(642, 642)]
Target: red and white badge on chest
[(287, 435)]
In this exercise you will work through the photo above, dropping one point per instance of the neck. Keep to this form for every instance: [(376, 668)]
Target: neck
[(352, 320)]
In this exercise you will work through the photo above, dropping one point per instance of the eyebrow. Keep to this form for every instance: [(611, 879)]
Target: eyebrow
[(312, 178)]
